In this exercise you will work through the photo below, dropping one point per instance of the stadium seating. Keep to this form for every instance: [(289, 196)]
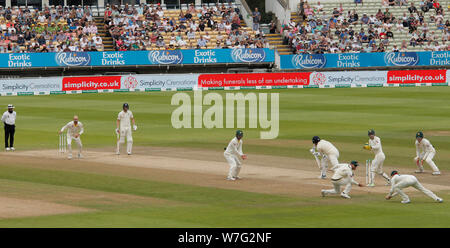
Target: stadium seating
[(401, 36), (77, 28), (158, 28), (53, 29)]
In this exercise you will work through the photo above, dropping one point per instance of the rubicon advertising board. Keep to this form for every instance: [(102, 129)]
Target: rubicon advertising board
[(357, 60), (133, 58)]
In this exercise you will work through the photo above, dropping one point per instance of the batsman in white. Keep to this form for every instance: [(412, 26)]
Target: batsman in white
[(329, 152), (400, 182), (374, 145), (74, 131), (124, 120), (343, 176), (232, 154), (425, 152)]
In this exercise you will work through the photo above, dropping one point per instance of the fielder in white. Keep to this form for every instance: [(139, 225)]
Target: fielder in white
[(123, 130), (400, 182), (74, 131), (329, 152), (343, 177), (425, 152), (232, 154), (374, 145)]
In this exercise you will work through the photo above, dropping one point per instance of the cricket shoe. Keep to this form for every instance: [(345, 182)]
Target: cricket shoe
[(439, 200), (231, 179), (117, 153), (322, 192), (7, 149), (371, 185), (419, 171), (406, 201), (237, 177), (436, 173), (322, 177), (13, 149), (344, 195), (70, 156), (129, 153)]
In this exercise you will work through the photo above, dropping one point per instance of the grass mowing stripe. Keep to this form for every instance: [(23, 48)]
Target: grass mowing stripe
[(176, 192), (359, 212)]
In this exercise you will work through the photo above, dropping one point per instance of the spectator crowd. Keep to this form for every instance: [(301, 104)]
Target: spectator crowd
[(132, 27), (54, 29), (346, 30), (151, 27)]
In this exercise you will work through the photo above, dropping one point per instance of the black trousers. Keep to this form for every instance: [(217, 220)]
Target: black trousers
[(9, 135)]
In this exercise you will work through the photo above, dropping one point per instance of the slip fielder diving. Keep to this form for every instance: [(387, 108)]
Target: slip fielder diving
[(329, 153), (425, 152), (233, 153), (74, 131), (123, 130), (343, 176), (400, 182), (374, 145)]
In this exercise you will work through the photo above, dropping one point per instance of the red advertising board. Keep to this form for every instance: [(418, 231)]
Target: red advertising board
[(91, 83), (253, 79), (417, 76)]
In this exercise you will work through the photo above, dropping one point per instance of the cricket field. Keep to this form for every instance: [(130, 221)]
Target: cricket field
[(176, 177)]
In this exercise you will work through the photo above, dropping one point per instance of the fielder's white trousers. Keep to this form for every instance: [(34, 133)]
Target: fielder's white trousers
[(69, 143), (235, 164), (344, 182), (429, 160), (329, 159), (125, 133), (417, 185)]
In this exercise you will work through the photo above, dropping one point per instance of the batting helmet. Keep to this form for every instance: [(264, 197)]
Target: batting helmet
[(355, 163), (315, 139), (394, 172), (419, 135), (371, 132), (125, 105), (239, 134)]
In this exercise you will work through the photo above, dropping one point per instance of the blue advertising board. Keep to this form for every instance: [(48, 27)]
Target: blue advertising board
[(132, 58), (352, 60)]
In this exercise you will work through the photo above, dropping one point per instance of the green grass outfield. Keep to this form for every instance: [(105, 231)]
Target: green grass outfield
[(342, 116)]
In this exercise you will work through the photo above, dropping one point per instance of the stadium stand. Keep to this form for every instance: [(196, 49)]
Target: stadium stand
[(125, 27), (370, 26), (151, 27), (54, 29)]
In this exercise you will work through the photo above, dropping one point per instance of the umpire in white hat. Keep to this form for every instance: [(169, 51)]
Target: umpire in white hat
[(9, 120)]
